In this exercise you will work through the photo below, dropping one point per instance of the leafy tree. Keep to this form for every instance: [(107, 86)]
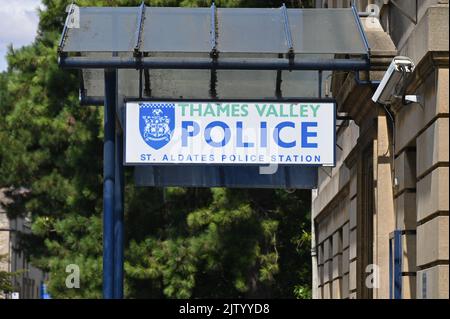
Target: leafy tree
[(5, 278), (180, 242), (246, 242)]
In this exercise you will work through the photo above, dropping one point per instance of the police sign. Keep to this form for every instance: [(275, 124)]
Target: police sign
[(161, 132)]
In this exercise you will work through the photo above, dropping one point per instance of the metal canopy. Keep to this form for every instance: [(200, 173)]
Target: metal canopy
[(201, 53), (218, 53), (203, 30)]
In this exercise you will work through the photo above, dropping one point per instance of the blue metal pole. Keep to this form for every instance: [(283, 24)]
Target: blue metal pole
[(108, 181), (391, 269), (397, 264), (207, 64), (118, 219)]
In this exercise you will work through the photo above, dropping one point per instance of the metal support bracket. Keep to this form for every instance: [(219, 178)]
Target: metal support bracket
[(365, 82), (361, 30), (138, 33), (66, 26), (287, 33), (214, 53)]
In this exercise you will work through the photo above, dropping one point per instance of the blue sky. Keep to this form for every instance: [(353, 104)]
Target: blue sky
[(18, 24)]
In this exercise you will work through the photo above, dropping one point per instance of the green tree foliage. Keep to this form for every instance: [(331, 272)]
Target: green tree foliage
[(179, 242), (5, 278), (225, 243)]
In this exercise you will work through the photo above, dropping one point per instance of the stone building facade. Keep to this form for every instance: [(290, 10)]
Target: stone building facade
[(27, 282), (389, 189)]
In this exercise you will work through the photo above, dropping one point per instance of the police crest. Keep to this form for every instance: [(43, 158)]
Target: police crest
[(156, 123)]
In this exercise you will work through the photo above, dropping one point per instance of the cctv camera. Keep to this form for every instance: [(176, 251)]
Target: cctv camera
[(392, 84)]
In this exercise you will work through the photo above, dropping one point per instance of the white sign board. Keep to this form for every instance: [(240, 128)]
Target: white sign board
[(160, 132)]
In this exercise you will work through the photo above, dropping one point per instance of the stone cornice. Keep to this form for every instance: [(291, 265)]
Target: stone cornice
[(432, 60)]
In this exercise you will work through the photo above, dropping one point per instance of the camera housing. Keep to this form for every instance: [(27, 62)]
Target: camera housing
[(392, 84)]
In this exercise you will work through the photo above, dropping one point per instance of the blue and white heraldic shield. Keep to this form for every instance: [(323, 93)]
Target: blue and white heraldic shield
[(156, 123)]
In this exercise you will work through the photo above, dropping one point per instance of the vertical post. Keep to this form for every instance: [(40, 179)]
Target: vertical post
[(397, 264), (118, 219), (320, 84), (315, 279), (391, 268), (108, 181)]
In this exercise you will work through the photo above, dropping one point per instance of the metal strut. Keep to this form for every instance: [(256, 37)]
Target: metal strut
[(287, 33), (207, 64), (118, 218), (214, 54), (109, 164), (362, 34), (64, 32), (139, 28)]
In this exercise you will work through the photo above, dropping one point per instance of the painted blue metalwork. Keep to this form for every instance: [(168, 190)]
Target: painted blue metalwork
[(206, 64), (395, 265), (89, 100), (391, 268), (118, 219), (109, 181), (138, 33), (398, 264), (43, 291), (320, 84), (365, 82), (360, 29), (213, 28), (64, 32), (287, 29)]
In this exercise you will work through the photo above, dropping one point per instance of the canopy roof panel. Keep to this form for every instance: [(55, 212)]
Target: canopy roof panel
[(205, 30), (176, 30), (334, 31), (101, 29), (251, 30)]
